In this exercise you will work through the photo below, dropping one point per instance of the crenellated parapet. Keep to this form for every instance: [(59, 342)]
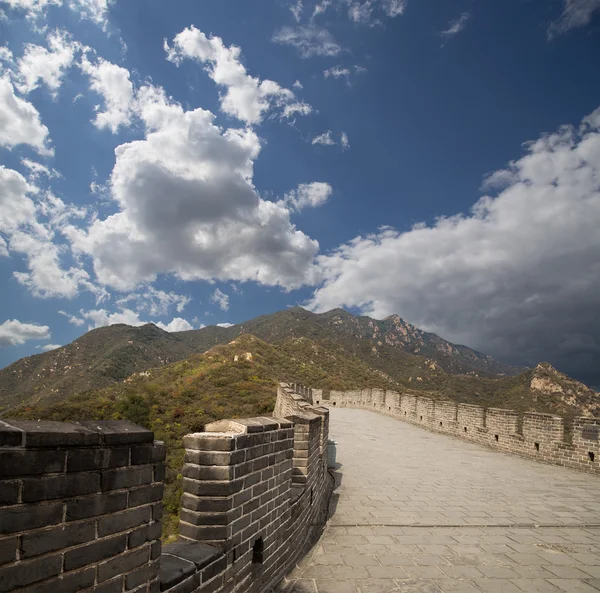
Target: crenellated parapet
[(542, 437)]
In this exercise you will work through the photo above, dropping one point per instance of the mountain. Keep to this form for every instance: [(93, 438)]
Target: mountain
[(97, 359), (413, 360)]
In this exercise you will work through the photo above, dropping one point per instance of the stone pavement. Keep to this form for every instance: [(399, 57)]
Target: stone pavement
[(422, 512)]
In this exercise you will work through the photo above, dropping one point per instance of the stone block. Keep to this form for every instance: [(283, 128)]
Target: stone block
[(120, 432), (24, 517), (203, 533), (8, 549), (126, 477), (21, 574), (124, 520), (200, 441), (9, 492), (206, 505), (146, 494), (123, 563), (216, 488), (48, 433), (24, 463), (148, 453), (71, 581), (214, 457), (95, 552), (208, 472), (57, 538), (79, 460), (174, 570), (61, 486), (10, 436), (98, 504)]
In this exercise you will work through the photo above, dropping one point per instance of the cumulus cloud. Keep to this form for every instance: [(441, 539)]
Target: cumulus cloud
[(113, 84), (296, 10), (325, 139), (14, 333), (73, 319), (37, 170), (95, 10), (337, 72), (41, 65), (309, 41), (455, 26), (518, 277), (177, 324), (20, 121), (246, 97), (154, 301), (48, 347), (225, 324), (308, 195), (576, 13), (221, 299), (214, 224)]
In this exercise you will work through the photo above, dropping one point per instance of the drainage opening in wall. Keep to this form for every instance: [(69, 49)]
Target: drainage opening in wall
[(465, 429), (496, 437), (389, 407), (441, 423), (405, 413), (234, 556), (591, 455), (258, 550), (334, 403), (537, 446), (420, 417), (318, 402)]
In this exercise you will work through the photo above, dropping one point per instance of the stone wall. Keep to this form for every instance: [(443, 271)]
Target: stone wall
[(254, 490), (537, 436), (80, 504), (80, 507)]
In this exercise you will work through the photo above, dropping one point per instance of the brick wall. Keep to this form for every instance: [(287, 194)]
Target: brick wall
[(542, 437), (79, 507), (254, 489)]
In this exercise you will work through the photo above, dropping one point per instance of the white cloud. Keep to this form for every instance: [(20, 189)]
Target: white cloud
[(298, 85), (576, 13), (296, 10), (48, 347), (309, 41), (20, 121), (321, 7), (362, 12), (325, 139), (518, 277), (73, 319), (247, 98), (155, 302), (213, 226), (337, 72), (37, 170), (178, 324), (94, 10), (14, 333), (456, 26), (308, 195), (112, 82), (344, 142), (46, 65), (225, 324), (221, 299)]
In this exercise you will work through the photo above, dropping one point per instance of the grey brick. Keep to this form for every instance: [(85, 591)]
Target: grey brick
[(204, 488), (10, 436), (123, 521), (120, 432), (9, 492), (24, 517), (203, 442), (146, 494), (61, 486), (57, 538), (123, 563), (127, 477), (95, 552), (99, 504), (8, 549), (24, 463), (21, 574), (70, 582), (148, 453), (48, 433), (90, 459), (206, 505)]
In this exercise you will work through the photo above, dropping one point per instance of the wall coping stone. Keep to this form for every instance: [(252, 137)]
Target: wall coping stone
[(173, 570), (197, 552), (52, 434)]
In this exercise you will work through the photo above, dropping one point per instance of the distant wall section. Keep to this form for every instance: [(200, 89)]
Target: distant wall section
[(536, 436)]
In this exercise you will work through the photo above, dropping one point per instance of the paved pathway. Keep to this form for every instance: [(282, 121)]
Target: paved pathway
[(426, 513)]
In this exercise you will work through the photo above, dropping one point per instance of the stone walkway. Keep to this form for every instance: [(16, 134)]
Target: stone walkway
[(420, 512)]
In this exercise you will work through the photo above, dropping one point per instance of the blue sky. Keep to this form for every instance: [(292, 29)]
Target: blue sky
[(213, 161)]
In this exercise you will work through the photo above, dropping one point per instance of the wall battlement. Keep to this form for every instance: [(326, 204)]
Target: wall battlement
[(80, 503), (542, 437)]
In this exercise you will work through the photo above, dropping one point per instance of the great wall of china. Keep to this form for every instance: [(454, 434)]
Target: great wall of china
[(80, 503)]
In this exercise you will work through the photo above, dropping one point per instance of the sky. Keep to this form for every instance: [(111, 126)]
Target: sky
[(195, 163)]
